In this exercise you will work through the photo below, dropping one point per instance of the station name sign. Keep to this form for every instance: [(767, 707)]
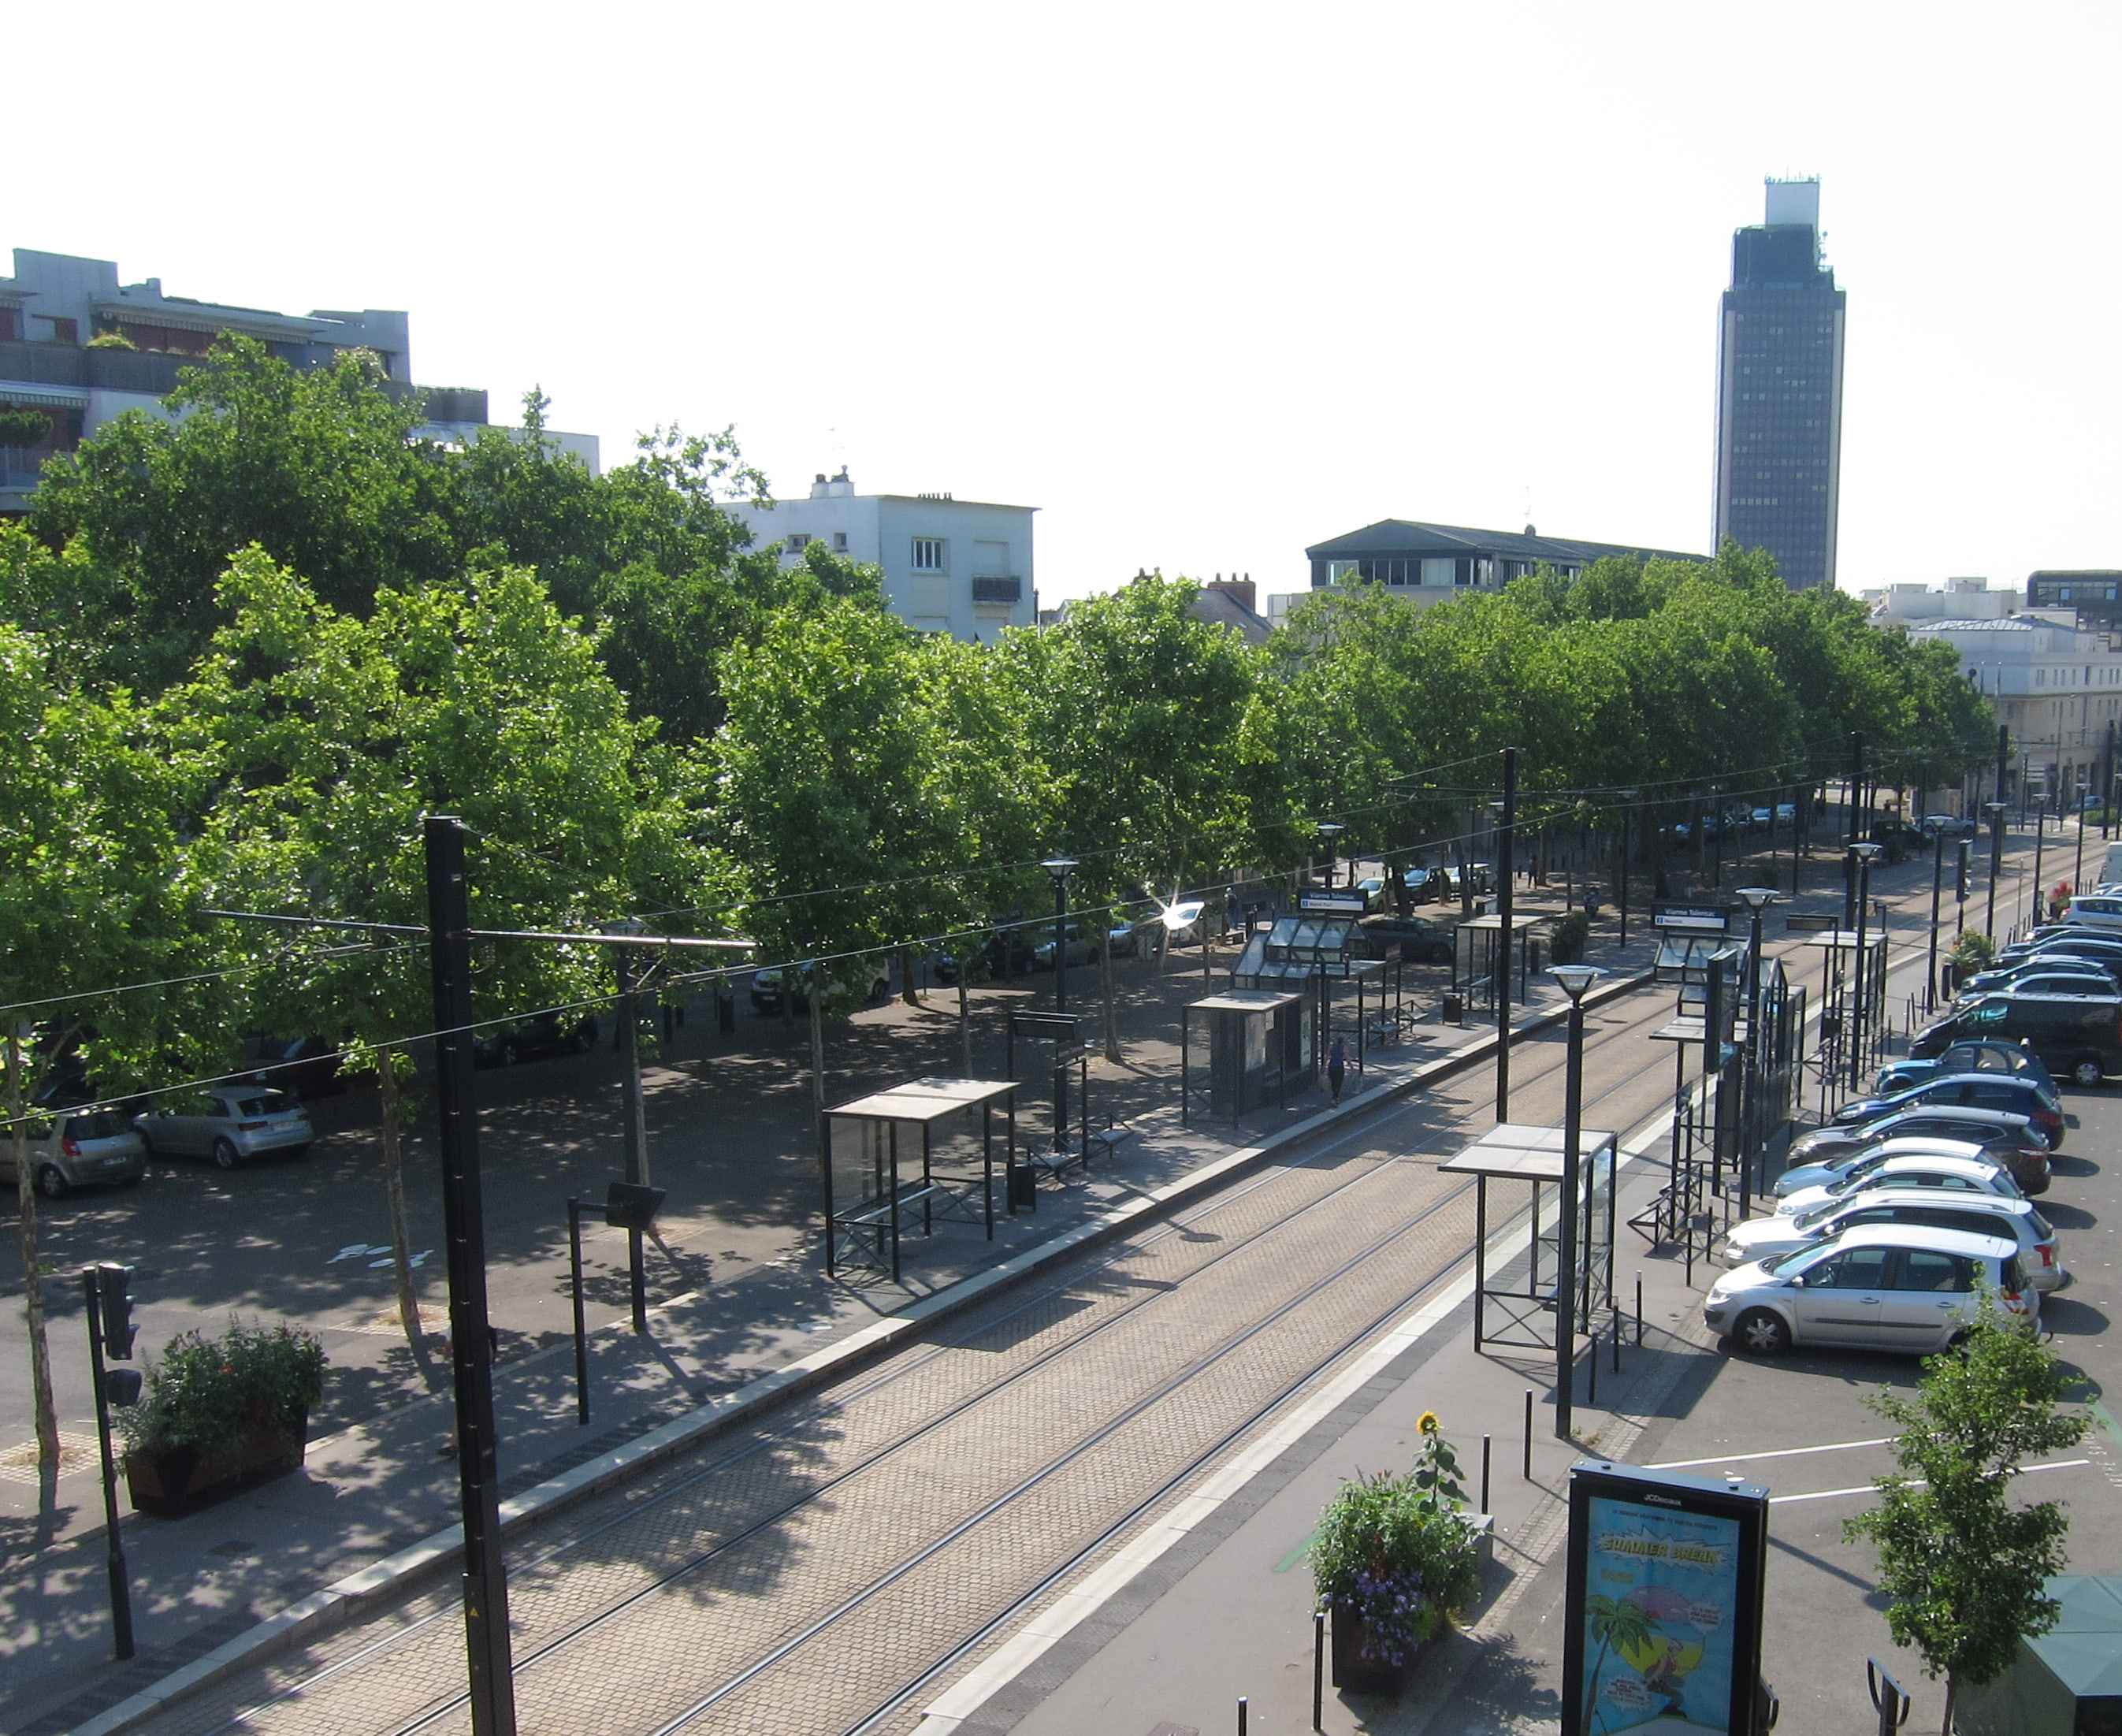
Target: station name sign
[(1332, 904), (1691, 919)]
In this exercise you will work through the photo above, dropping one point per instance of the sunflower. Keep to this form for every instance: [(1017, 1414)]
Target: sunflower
[(1427, 1422)]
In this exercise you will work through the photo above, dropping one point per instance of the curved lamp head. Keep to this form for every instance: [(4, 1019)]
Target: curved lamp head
[(1868, 853), (1330, 830), (1759, 898), (1059, 867), (1996, 809), (1575, 979)]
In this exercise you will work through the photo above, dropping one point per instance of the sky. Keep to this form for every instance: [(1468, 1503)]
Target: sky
[(1204, 284)]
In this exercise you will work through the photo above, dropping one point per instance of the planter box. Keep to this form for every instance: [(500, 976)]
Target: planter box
[(183, 1479), (1354, 1670)]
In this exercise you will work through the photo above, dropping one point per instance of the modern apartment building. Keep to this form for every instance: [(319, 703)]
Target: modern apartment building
[(960, 566), (56, 305), (2093, 594), (1779, 390), (1427, 563)]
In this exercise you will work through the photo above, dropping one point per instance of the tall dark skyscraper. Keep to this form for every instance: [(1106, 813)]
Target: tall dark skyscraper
[(1779, 390)]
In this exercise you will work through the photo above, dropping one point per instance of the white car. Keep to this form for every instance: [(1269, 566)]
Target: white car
[(2101, 910), (1982, 1214), (227, 1125), (1958, 1174), (1905, 1287)]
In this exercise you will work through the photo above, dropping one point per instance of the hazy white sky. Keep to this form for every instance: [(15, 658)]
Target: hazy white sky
[(1205, 283)]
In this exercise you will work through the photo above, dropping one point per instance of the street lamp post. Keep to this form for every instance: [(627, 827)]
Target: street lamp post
[(1996, 812), (1936, 894), (1060, 867), (1865, 854), (1758, 898), (1575, 980), (1331, 831)]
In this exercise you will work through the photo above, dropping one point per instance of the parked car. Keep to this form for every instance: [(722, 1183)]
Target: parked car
[(1953, 826), (1972, 1055), (1419, 939), (308, 1066), (1949, 1175), (2014, 1093), (1007, 952), (1372, 886), (77, 1147), (2101, 911), (2078, 1035), (1785, 813), (1761, 820), (536, 1038), (2052, 974), (1982, 1214), (1080, 948), (226, 1124), (2009, 1139), (2086, 945), (1905, 1287)]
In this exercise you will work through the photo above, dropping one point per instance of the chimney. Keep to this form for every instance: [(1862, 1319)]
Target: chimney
[(840, 488), (819, 488), (1238, 589)]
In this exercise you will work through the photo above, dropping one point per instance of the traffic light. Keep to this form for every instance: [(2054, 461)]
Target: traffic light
[(113, 1291), (1966, 854)]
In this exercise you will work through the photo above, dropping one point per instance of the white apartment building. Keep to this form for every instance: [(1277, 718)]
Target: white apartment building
[(960, 566), (56, 305), (1957, 599), (2055, 685)]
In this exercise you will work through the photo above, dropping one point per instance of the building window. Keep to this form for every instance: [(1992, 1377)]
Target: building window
[(65, 331), (798, 541), (927, 555), (840, 542)]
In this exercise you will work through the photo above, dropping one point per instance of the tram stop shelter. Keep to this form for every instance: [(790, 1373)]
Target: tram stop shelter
[(867, 1199), (1306, 955), (1253, 1033), (1488, 954), (1511, 1152)]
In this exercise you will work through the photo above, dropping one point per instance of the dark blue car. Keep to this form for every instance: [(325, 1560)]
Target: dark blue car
[(2035, 1099), (1975, 1054)]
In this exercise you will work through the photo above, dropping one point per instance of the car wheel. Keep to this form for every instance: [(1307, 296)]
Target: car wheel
[(2088, 1071), (224, 1155), (1760, 1333), (52, 1182)]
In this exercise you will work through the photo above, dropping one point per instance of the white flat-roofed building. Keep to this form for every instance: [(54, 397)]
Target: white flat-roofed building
[(2055, 685), (960, 566)]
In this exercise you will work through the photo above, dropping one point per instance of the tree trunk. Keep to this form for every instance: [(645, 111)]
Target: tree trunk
[(1946, 1729), (394, 1194), (964, 1021), (33, 1290), (1110, 1014), (907, 991)]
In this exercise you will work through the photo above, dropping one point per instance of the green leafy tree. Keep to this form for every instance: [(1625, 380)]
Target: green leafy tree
[(328, 737), (94, 893), (1965, 1565)]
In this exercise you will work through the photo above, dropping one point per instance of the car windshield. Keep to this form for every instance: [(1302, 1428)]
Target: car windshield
[(1795, 1261), (103, 1125), (1813, 1214), (2041, 1227), (266, 1103)]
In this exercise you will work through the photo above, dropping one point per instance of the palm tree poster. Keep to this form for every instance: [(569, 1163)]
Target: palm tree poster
[(1660, 1596)]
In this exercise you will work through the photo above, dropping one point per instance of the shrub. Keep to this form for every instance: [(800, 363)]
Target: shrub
[(1394, 1551), (204, 1393), (111, 340), (1973, 950)]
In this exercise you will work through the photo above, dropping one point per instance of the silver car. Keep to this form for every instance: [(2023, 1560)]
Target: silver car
[(1904, 1287), (76, 1147), (1984, 1214), (228, 1125)]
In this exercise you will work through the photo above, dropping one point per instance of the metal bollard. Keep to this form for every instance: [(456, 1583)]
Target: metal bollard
[(1640, 1311), (1485, 1506), (1528, 1435), (1318, 1668), (1592, 1374), (1617, 1341), (1242, 1715)]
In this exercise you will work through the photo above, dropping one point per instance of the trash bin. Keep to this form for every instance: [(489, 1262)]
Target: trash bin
[(1023, 1188), (1455, 1008)]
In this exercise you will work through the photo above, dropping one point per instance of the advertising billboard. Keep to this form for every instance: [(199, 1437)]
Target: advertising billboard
[(1664, 1626)]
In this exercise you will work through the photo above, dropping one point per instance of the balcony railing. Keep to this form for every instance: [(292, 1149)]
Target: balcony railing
[(998, 590)]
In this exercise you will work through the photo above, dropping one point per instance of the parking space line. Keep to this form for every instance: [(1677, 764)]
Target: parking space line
[(1915, 1482), (1734, 1459)]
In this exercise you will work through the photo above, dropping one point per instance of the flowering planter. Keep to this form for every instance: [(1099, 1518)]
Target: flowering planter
[(1358, 1669), (181, 1480)]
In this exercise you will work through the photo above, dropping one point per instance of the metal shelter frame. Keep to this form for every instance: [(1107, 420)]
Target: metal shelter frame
[(1296, 952), (1511, 1152), (1263, 1003), (1497, 980), (875, 1220)]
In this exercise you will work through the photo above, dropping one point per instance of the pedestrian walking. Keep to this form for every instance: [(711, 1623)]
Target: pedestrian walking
[(1336, 1066)]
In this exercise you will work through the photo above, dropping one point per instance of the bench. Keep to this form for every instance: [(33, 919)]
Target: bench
[(1108, 1140), (1383, 1030)]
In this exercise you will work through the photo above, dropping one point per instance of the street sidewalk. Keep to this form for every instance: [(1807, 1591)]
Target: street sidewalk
[(377, 1503)]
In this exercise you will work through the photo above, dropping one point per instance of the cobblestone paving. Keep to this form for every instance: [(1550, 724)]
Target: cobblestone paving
[(718, 1560)]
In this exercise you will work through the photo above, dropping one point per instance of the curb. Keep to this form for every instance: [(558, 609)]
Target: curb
[(347, 1599)]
